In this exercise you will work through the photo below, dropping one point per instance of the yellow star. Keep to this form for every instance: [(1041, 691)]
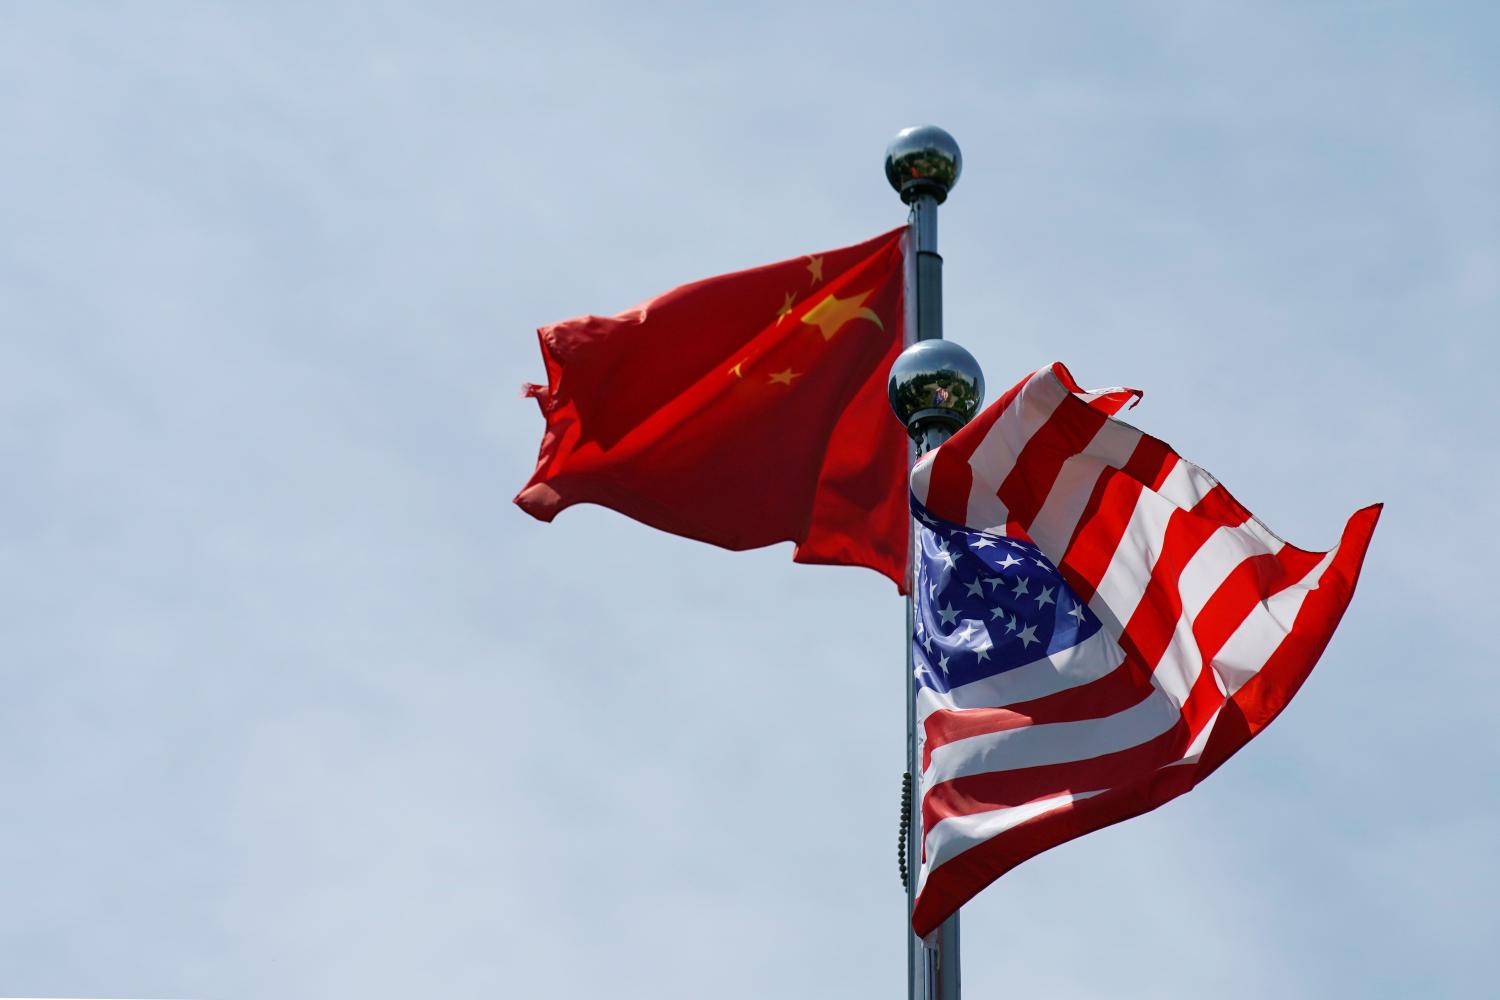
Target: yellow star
[(815, 268), (785, 377), (786, 307), (833, 312), (735, 371)]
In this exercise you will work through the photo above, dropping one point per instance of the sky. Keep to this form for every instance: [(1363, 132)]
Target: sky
[(295, 703)]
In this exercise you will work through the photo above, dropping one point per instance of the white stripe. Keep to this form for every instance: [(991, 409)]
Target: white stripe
[(1269, 538), (996, 454), (1186, 484), (1051, 743), (1219, 556), (1180, 663), (1090, 395), (1194, 752), (1124, 582), (1268, 623), (1053, 526), (1068, 668), (1195, 483), (921, 477), (985, 510), (956, 834)]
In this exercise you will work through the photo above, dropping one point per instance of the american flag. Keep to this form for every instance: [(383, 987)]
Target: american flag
[(1099, 625)]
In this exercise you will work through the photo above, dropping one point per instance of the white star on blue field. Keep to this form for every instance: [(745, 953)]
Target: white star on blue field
[(963, 632)]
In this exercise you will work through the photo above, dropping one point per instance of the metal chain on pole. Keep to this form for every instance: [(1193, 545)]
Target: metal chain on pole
[(901, 834)]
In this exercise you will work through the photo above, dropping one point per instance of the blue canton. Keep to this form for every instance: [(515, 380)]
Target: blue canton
[(986, 603)]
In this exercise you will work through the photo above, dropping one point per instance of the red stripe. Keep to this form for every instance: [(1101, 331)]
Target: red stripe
[(1113, 402), (1203, 700), (1155, 617), (1116, 691), (1065, 377), (1266, 694), (1109, 402), (1099, 533), (1221, 507), (1108, 512), (1148, 636), (1151, 462), (1065, 433), (960, 878), (1254, 580), (977, 793), (952, 477)]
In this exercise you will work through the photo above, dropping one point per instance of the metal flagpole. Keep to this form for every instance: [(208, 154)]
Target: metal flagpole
[(923, 164)]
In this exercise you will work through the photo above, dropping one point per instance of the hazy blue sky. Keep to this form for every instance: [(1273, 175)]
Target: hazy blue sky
[(295, 704)]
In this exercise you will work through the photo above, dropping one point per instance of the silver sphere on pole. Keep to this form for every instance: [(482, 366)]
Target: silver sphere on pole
[(935, 384), (923, 159)]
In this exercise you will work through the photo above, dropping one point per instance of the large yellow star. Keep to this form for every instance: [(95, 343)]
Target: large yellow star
[(833, 312), (784, 377), (786, 308), (815, 268)]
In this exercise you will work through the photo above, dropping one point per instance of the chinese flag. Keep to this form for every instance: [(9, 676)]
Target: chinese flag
[(740, 410)]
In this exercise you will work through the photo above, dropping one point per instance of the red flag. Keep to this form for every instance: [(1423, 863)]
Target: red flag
[(740, 410)]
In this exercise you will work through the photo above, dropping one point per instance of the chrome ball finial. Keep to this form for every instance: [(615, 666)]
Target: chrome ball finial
[(935, 383), (922, 160)]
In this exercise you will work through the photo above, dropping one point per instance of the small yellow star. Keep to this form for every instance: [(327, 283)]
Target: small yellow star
[(786, 308), (735, 371), (815, 268), (785, 377), (833, 312)]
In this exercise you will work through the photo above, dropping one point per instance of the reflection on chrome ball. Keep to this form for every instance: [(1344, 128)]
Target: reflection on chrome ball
[(923, 160), (935, 381)]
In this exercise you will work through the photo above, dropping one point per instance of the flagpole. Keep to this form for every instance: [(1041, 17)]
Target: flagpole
[(923, 164)]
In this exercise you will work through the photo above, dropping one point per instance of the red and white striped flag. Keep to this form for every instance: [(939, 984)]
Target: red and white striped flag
[(1100, 625)]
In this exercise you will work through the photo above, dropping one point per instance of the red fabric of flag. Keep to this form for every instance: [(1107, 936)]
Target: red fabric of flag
[(741, 410)]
